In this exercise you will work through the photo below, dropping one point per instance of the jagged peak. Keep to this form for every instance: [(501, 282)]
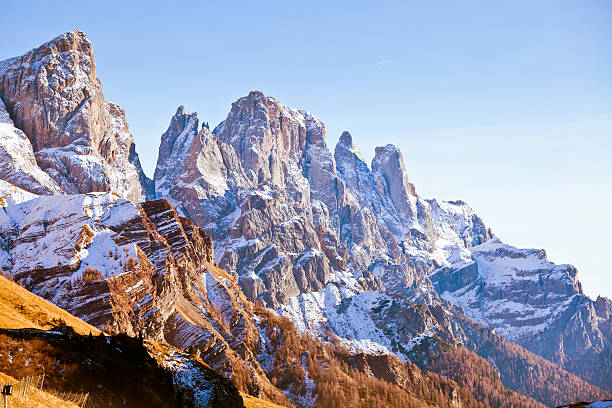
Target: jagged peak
[(388, 154), (389, 161), (346, 143), (71, 40), (266, 115), (387, 151), (68, 40), (181, 120), (346, 139), (257, 99), (180, 110)]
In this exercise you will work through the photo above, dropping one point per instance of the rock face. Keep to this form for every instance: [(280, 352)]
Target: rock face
[(143, 269), (530, 301), (19, 163), (348, 251), (78, 139), (289, 216), (344, 247), (135, 269)]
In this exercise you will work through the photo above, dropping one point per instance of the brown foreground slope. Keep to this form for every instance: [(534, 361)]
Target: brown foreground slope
[(20, 308), (36, 398), (115, 371)]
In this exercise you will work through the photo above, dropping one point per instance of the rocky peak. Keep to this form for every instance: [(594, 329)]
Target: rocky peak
[(174, 147), (346, 143), (82, 141), (352, 168), (60, 72), (267, 136), (388, 165), (603, 305)]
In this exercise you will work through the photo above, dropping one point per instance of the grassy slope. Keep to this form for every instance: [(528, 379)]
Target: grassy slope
[(252, 402), (36, 398), (20, 308)]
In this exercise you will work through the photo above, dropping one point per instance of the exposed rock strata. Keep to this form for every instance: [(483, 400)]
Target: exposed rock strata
[(312, 233)]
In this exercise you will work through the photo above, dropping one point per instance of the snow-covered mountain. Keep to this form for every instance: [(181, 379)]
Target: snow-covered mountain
[(530, 301), (332, 242), (346, 250)]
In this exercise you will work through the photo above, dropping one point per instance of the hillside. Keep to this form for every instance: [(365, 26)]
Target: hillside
[(116, 371), (36, 398), (20, 308), (84, 360), (262, 260)]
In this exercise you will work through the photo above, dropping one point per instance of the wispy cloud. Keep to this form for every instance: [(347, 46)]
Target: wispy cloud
[(378, 64)]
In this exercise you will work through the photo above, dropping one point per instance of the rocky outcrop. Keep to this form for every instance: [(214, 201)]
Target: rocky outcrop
[(135, 269), (173, 150), (79, 140), (331, 241), (19, 166), (285, 213), (531, 301)]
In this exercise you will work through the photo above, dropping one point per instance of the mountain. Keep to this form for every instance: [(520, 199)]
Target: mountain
[(368, 284), (533, 302), (348, 248), (265, 187), (114, 371), (142, 269), (170, 291), (58, 131)]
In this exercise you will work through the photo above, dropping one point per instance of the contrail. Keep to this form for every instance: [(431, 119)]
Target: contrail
[(383, 62)]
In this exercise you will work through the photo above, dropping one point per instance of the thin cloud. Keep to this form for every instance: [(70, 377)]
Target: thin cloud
[(378, 64)]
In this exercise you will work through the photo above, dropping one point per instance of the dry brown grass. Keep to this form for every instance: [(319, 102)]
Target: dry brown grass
[(21, 309), (252, 402), (36, 398)]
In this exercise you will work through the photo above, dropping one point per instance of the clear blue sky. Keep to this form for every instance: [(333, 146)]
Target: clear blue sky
[(506, 105)]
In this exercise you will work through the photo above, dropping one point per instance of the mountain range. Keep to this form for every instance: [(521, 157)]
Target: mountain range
[(283, 264)]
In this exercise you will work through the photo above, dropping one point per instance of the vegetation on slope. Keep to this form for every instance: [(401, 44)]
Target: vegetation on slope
[(531, 374), (20, 308), (253, 402), (476, 374), (35, 399), (324, 375), (117, 371)]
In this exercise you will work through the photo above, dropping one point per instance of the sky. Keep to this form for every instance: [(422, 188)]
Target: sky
[(506, 105)]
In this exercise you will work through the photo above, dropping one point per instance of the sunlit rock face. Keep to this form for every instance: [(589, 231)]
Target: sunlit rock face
[(294, 220), (82, 142), (331, 241)]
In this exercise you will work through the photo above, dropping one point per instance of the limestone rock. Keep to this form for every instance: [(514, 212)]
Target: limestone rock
[(79, 139)]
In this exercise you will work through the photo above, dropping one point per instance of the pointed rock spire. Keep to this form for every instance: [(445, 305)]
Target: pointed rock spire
[(388, 163), (346, 139), (174, 148)]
